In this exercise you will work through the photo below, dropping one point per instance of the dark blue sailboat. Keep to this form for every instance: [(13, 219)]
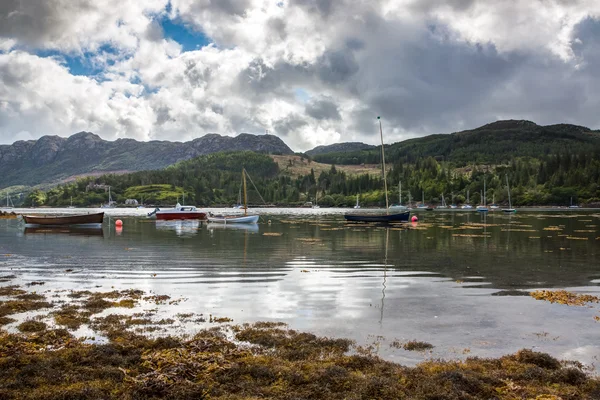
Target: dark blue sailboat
[(387, 217)]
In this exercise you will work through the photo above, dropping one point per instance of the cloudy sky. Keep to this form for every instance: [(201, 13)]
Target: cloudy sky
[(310, 71)]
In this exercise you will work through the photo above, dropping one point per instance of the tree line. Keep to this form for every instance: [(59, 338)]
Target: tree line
[(215, 180)]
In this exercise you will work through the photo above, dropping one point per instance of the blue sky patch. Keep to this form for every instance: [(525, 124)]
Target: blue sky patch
[(82, 64), (186, 36)]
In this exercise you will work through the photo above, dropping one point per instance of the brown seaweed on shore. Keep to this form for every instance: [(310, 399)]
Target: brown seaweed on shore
[(281, 364)]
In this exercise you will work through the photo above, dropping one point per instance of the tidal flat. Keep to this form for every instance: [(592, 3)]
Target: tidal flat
[(46, 357)]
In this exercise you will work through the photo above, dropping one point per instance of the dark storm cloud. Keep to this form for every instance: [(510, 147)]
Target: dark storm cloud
[(323, 109), (289, 124), (586, 45)]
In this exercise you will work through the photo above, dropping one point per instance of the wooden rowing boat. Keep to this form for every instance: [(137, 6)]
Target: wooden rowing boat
[(86, 219)]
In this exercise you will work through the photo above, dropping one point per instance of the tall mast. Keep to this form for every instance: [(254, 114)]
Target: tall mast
[(508, 188), (245, 195), (387, 203), (400, 193)]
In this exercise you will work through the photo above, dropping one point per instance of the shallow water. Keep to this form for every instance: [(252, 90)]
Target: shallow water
[(457, 280)]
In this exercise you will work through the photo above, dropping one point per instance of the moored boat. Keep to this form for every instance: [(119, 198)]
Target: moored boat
[(179, 212), (73, 220), (387, 217), (237, 219)]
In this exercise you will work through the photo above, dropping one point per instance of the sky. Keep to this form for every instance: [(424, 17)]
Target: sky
[(312, 72)]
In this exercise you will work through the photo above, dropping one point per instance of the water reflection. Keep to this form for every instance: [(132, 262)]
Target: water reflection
[(239, 227), (434, 280), (65, 230), (182, 228)]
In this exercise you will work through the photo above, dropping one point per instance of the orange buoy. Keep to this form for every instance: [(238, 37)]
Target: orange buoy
[(118, 223)]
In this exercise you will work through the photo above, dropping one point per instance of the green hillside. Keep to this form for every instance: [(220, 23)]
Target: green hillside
[(495, 143)]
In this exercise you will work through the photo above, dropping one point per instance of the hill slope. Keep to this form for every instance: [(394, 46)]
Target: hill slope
[(339, 148), (53, 158), (497, 142)]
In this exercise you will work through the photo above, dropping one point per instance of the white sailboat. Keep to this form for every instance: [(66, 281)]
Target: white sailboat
[(422, 205), (71, 206), (9, 203), (236, 219), (494, 206), (509, 209), (443, 205), (111, 203), (399, 206), (316, 205), (239, 204), (483, 206), (357, 205), (467, 206), (573, 205)]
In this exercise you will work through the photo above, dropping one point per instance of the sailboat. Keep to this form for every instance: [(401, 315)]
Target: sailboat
[(509, 209), (443, 205), (467, 206), (483, 206), (71, 206), (111, 203), (357, 205), (239, 204), (494, 206), (422, 206), (9, 203), (316, 205), (387, 217), (236, 219), (453, 205), (399, 206), (573, 205)]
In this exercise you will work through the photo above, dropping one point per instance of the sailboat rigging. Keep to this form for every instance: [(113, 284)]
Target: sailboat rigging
[(399, 206), (111, 203), (396, 217), (9, 203), (236, 219), (483, 206), (509, 209)]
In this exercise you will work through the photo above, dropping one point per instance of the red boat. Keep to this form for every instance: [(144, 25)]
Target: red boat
[(179, 212)]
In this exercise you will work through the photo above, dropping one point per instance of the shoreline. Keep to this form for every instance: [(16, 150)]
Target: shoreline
[(125, 355)]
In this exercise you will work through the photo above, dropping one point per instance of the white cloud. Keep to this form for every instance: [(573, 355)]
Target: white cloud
[(426, 66)]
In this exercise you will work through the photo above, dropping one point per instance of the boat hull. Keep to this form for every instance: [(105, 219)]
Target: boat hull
[(247, 219), (400, 217), (175, 215), (89, 220)]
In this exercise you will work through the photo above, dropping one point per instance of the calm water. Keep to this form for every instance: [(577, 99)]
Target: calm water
[(455, 280)]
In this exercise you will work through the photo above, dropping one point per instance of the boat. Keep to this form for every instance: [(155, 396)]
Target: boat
[(236, 219), (253, 228), (508, 210), (383, 218), (89, 220), (357, 205), (573, 205), (316, 205), (443, 205), (239, 205), (494, 206), (423, 206), (467, 206), (71, 206), (483, 206), (179, 212), (399, 206), (111, 203), (9, 203)]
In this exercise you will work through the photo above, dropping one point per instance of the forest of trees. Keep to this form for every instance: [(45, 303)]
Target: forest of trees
[(214, 180)]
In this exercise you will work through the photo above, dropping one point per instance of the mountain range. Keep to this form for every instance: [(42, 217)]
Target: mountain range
[(52, 159), (55, 159)]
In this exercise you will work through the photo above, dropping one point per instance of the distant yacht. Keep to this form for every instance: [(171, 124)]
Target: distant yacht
[(467, 206), (509, 210), (357, 206), (573, 205), (443, 205), (111, 203), (399, 206), (483, 206)]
